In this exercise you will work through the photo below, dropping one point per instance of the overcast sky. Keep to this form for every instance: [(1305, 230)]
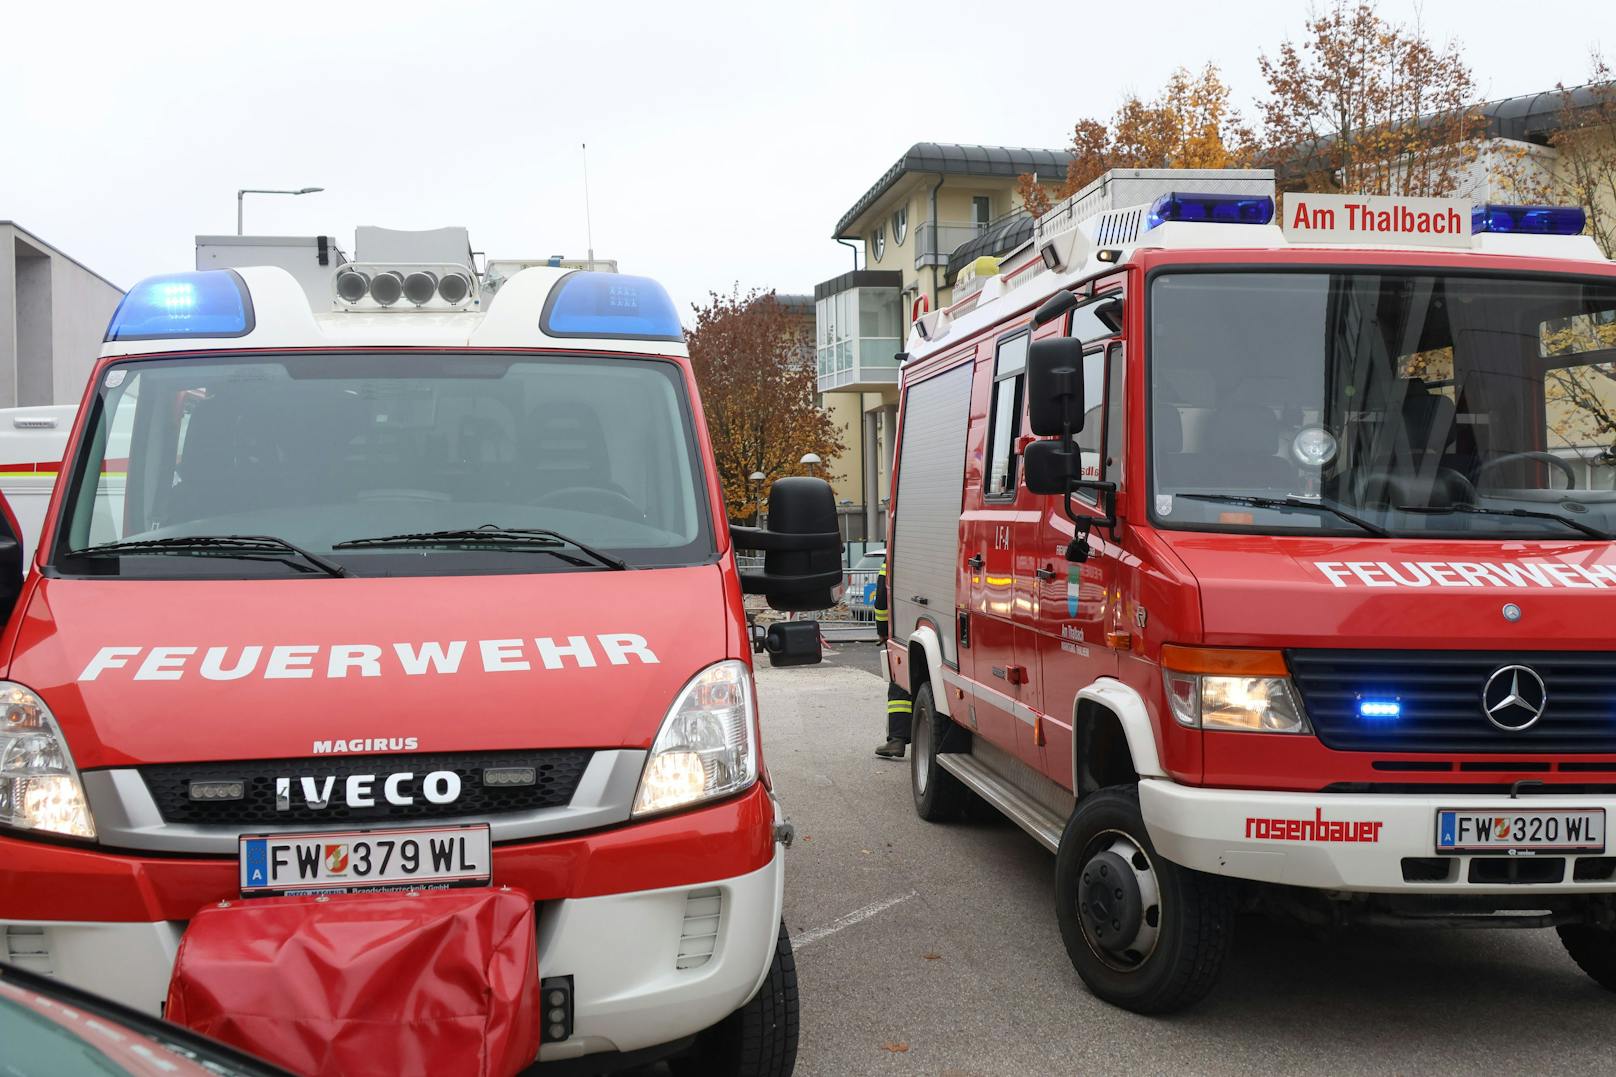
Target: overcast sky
[(724, 139)]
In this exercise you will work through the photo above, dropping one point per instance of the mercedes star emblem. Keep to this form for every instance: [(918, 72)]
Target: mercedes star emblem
[(1514, 698)]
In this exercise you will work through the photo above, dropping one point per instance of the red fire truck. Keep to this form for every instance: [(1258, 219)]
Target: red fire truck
[(408, 585), (1261, 564)]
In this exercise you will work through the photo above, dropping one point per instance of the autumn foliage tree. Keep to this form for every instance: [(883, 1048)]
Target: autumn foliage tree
[(754, 366), (1190, 124), (1368, 106)]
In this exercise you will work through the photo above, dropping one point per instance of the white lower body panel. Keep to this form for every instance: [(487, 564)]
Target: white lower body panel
[(1332, 841)]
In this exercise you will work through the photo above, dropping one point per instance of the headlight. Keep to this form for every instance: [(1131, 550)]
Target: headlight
[(707, 747), (1231, 690), (39, 786)]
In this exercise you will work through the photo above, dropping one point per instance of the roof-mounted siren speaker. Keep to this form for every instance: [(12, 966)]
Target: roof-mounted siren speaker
[(421, 286), (1064, 250), (387, 287), (453, 288), (352, 285)]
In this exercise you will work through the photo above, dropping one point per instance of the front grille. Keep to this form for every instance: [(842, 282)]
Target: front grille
[(556, 776), (1440, 695)]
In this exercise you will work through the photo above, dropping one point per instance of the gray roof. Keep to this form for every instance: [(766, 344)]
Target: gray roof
[(1535, 117), (953, 159), (1001, 237)]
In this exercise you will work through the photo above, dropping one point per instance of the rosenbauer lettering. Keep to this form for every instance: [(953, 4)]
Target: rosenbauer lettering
[(300, 661)]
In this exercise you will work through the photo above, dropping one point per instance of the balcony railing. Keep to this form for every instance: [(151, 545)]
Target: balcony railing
[(935, 240), (859, 362)]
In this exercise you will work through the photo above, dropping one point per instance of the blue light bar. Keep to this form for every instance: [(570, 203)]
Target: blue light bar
[(1529, 220), (589, 304), (1211, 209), (208, 303), (1379, 708)]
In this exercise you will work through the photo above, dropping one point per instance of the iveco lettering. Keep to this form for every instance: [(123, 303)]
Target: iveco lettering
[(1243, 559), (416, 578)]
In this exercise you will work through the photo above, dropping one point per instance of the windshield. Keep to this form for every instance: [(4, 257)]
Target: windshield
[(1380, 402), (315, 450)]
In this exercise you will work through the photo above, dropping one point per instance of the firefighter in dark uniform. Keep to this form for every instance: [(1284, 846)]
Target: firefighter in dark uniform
[(899, 706)]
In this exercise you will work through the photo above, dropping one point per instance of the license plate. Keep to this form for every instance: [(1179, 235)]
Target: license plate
[(414, 858), (1520, 830)]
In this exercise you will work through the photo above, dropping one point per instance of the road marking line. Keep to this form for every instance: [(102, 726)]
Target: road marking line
[(857, 916)]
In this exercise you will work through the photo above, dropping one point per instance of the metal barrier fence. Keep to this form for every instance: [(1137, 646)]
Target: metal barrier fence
[(858, 592)]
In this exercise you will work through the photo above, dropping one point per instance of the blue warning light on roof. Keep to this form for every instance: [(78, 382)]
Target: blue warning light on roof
[(207, 303), (1211, 209), (1528, 220), (589, 304)]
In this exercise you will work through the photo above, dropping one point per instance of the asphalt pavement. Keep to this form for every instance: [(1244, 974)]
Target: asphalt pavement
[(932, 949)]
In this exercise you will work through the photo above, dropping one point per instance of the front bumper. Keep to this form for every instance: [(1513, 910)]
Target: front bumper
[(648, 967), (1234, 832)]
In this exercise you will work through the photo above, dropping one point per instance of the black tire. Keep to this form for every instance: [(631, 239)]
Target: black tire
[(1593, 949), (760, 1038), (1146, 966), (938, 794)]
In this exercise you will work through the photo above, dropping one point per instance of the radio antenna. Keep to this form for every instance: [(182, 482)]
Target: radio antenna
[(589, 225)]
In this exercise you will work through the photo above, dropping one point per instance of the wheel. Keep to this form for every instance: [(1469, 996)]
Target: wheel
[(1143, 933), (938, 794), (1593, 949), (760, 1038)]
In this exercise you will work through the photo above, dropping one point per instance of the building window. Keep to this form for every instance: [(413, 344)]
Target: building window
[(1000, 480), (900, 225), (981, 210), (878, 242)]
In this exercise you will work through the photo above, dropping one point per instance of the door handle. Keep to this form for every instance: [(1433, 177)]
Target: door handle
[(975, 560), (1013, 674), (1045, 573), (920, 600)]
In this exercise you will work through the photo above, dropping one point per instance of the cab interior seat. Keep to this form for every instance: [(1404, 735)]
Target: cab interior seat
[(231, 461), (571, 461), (1239, 451)]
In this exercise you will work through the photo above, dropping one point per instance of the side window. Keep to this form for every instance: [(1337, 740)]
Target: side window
[(1103, 393), (1008, 365)]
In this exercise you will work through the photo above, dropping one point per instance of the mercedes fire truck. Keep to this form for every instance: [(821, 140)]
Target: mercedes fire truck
[(1261, 558)]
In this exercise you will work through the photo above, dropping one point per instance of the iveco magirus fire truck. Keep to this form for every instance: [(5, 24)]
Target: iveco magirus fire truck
[(1266, 563), (432, 569)]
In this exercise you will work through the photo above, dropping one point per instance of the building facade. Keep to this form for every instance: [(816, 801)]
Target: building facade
[(53, 315), (936, 198)]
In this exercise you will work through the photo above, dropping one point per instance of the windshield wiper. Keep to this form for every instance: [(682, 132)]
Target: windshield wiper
[(247, 546), (489, 536), (1280, 503), (1530, 514)]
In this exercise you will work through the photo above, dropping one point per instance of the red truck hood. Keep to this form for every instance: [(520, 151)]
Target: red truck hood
[(1435, 594), (287, 668)]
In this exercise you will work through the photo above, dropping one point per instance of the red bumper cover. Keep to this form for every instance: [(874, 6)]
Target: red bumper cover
[(443, 982)]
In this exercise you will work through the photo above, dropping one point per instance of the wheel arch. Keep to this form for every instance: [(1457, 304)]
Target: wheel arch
[(926, 664), (1113, 742)]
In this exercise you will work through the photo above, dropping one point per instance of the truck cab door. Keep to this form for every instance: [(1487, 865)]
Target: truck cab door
[(1083, 606), (989, 525)]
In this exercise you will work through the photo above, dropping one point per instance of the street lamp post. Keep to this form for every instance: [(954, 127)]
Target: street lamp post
[(756, 479), (243, 192), (810, 460)]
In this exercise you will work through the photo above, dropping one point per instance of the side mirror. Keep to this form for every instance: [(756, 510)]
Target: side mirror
[(793, 643), (1050, 467), (1055, 386), (802, 548)]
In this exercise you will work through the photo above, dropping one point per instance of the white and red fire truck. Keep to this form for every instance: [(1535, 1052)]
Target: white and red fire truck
[(1256, 563), (427, 571)]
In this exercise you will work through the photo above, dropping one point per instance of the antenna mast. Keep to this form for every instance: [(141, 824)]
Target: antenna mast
[(589, 226)]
